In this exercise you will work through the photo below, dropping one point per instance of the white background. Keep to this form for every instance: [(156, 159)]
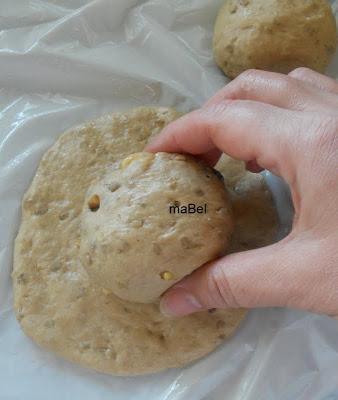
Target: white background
[(65, 61)]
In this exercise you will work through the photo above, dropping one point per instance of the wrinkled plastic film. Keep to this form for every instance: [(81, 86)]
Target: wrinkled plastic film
[(66, 61)]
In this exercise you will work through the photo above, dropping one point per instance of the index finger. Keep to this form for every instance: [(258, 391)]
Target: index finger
[(246, 130)]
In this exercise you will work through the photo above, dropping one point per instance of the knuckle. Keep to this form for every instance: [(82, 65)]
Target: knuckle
[(229, 110), (200, 117), (219, 109), (251, 81), (300, 72), (220, 289), (242, 109), (250, 74), (206, 118), (286, 84), (246, 81)]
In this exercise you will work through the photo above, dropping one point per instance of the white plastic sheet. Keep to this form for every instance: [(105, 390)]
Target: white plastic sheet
[(65, 61)]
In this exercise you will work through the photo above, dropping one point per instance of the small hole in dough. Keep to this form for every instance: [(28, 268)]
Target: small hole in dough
[(220, 324), (199, 192), (22, 279), (173, 184), (113, 186), (233, 9), (187, 244), (85, 346), (49, 323), (41, 210), (64, 215), (161, 338), (157, 248), (230, 48)]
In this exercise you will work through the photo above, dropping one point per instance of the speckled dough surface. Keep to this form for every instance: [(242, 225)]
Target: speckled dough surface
[(274, 35), (55, 301), (135, 240)]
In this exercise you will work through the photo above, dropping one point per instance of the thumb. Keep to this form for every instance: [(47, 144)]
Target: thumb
[(270, 276)]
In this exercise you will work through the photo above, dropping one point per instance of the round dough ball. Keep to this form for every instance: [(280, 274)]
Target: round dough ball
[(274, 35), (136, 240)]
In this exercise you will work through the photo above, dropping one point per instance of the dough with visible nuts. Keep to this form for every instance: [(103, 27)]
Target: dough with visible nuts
[(56, 302), (274, 35), (138, 243)]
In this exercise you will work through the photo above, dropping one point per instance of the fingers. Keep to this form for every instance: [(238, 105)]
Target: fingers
[(316, 79), (280, 90), (238, 128), (281, 275), (267, 87), (185, 135), (252, 108), (249, 279)]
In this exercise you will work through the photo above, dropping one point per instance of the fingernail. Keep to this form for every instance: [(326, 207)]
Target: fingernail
[(179, 302)]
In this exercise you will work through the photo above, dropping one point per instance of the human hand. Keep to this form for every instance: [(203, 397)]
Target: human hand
[(289, 126)]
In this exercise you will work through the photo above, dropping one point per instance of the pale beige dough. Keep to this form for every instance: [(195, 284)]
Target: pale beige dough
[(57, 304), (134, 244), (274, 35)]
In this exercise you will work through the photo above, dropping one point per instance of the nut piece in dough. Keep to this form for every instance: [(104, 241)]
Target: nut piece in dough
[(274, 35), (140, 241)]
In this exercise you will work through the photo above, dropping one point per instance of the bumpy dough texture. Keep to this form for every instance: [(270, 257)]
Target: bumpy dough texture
[(274, 35), (57, 304), (132, 244)]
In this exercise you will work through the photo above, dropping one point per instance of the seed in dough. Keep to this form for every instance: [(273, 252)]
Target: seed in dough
[(274, 35), (94, 203), (138, 262), (167, 276)]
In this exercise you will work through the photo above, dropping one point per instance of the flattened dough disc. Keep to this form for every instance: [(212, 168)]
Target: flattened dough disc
[(57, 305)]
